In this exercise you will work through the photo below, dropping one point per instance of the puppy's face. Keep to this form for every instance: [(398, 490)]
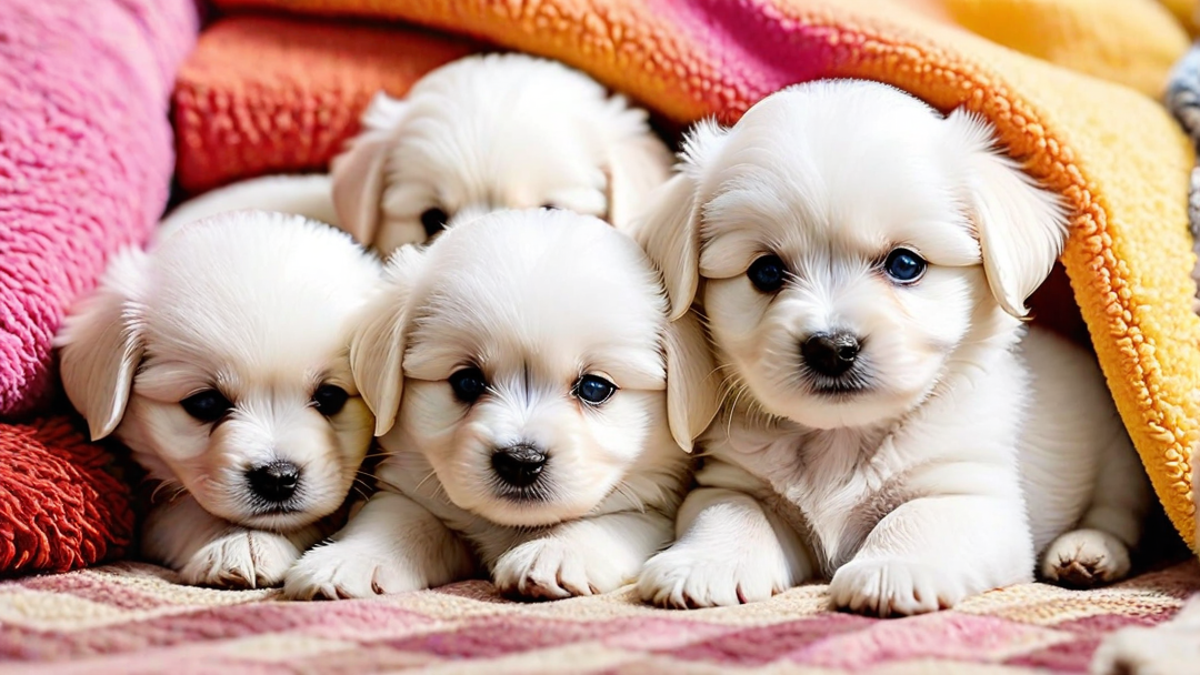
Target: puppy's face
[(488, 133), (840, 248), (241, 392), (534, 375)]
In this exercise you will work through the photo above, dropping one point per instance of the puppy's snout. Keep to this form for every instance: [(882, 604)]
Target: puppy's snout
[(830, 354), (274, 482), (519, 465)]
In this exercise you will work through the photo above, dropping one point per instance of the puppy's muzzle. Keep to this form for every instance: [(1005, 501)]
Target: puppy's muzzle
[(519, 465), (274, 483), (830, 354)]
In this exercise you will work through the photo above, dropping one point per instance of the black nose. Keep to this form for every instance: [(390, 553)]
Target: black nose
[(519, 465), (830, 354), (274, 482)]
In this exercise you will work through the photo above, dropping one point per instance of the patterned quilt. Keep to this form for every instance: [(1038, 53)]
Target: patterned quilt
[(131, 618)]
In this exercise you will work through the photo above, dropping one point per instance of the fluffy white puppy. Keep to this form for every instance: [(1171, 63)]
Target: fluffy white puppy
[(489, 132), (863, 262), (309, 195), (221, 359), (533, 400)]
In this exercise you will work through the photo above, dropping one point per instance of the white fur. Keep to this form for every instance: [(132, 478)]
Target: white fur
[(308, 195), (536, 299), (959, 457), (258, 306), (489, 132)]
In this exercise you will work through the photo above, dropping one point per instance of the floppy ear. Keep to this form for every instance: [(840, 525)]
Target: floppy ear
[(1021, 226), (692, 398), (358, 173), (377, 347), (668, 229), (636, 166), (101, 345)]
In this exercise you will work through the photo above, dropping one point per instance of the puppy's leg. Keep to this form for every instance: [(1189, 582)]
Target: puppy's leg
[(209, 551), (1097, 552), (932, 552), (582, 557), (392, 545), (1161, 650), (730, 550)]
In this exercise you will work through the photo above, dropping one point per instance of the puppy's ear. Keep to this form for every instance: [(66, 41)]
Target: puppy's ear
[(1021, 226), (669, 227), (377, 347), (101, 344), (358, 173), (636, 165), (692, 398)]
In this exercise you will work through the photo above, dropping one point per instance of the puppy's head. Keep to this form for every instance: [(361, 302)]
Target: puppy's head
[(846, 240), (492, 132), (527, 355), (221, 359)]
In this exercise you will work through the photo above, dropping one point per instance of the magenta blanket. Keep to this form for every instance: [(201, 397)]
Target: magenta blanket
[(86, 156)]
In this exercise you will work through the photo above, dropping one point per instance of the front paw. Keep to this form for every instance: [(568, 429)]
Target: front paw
[(552, 568), (1161, 650), (241, 559), (887, 588), (1085, 559), (344, 570), (688, 577)]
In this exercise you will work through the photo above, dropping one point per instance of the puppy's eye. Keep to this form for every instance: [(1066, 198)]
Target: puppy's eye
[(549, 207), (434, 220), (904, 266), (329, 399), (207, 406), (468, 384), (594, 389), (767, 273)]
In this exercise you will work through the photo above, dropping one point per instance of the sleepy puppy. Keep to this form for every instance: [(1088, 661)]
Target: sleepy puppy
[(533, 401), (491, 132), (863, 264), (221, 360)]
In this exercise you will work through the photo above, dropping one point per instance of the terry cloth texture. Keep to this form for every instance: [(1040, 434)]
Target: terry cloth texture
[(1115, 154)]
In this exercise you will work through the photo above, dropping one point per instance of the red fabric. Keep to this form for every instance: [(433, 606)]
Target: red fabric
[(60, 507)]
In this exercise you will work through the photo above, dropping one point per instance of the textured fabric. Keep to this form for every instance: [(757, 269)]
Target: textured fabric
[(1116, 155), (85, 158), (130, 619), (262, 95), (60, 507)]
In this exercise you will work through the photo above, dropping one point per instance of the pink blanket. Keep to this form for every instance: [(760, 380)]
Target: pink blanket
[(86, 155)]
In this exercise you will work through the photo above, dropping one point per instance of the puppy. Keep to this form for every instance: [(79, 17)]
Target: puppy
[(221, 360), (309, 195), (490, 132), (533, 402), (863, 263)]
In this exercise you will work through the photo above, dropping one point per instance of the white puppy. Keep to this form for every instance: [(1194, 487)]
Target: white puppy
[(221, 360), (490, 132), (534, 400), (308, 195), (863, 263)]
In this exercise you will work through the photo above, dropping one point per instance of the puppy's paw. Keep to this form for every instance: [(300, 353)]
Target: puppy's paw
[(1085, 559), (553, 568), (241, 559), (688, 577), (342, 570), (888, 588), (1162, 650)]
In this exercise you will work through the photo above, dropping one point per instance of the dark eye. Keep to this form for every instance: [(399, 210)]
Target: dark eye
[(904, 266), (329, 399), (549, 207), (594, 389), (434, 220), (767, 273), (468, 384), (207, 406)]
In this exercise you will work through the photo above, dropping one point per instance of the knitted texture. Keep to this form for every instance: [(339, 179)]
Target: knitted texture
[(262, 95), (85, 159), (1117, 157), (60, 509)]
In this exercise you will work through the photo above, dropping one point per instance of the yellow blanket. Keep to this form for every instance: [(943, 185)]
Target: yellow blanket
[(1071, 86)]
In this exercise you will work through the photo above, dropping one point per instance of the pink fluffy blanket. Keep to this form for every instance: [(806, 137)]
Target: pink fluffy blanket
[(86, 156)]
